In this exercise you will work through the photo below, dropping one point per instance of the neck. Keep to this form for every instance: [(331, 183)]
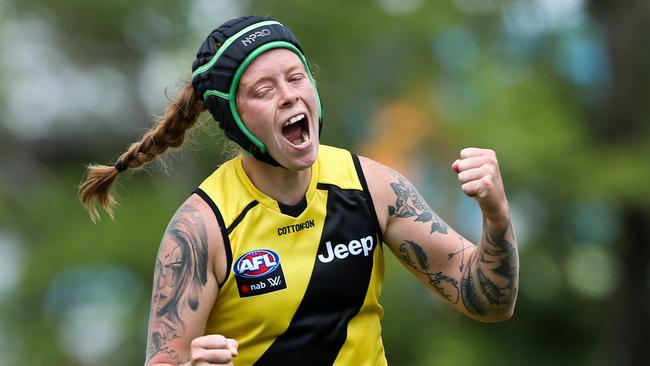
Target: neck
[(283, 185)]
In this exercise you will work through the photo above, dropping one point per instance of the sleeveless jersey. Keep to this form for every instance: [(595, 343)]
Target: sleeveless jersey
[(303, 281)]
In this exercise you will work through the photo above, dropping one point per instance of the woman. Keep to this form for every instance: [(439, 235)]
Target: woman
[(277, 257)]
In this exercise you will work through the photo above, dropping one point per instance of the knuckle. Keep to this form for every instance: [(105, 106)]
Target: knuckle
[(219, 338), (487, 181), (488, 152)]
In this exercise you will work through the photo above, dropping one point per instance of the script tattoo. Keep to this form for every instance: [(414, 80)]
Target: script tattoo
[(414, 256), (493, 286), (180, 275), (409, 203)]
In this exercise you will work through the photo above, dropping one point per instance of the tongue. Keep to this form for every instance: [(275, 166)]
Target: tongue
[(293, 133)]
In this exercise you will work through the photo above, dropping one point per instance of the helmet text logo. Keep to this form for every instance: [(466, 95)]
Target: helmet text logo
[(254, 36)]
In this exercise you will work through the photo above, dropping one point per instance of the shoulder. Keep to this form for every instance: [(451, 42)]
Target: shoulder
[(380, 180), (195, 211), (223, 174), (374, 169)]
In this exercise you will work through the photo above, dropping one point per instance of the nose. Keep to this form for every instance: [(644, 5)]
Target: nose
[(288, 95)]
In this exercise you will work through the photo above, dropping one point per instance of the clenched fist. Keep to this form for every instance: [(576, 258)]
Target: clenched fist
[(213, 349), (478, 173)]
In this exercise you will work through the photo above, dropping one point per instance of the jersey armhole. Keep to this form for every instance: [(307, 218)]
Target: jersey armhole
[(371, 204), (224, 232)]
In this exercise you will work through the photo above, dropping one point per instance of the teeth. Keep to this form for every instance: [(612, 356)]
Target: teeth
[(294, 120), (297, 118)]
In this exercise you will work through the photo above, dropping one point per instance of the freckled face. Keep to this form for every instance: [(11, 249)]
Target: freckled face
[(278, 103)]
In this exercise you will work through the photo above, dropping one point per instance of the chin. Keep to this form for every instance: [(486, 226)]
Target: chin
[(302, 161)]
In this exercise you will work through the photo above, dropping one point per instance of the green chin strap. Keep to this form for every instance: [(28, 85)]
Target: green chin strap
[(232, 93)]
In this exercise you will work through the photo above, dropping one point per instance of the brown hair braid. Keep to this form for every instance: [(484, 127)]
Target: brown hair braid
[(169, 131)]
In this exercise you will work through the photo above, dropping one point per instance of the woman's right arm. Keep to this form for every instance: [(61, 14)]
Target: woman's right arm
[(190, 259)]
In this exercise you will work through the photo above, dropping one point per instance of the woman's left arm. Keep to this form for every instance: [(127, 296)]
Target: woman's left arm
[(480, 280)]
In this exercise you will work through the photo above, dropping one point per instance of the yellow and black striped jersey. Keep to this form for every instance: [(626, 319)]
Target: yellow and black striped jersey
[(303, 281)]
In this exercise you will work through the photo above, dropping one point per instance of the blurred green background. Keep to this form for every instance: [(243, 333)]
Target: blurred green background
[(559, 88)]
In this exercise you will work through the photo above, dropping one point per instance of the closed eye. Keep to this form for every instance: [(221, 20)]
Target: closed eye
[(263, 91), (297, 77)]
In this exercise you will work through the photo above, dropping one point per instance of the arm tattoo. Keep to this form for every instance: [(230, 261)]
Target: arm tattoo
[(461, 267), (469, 299), (412, 254), (495, 268), (180, 275), (409, 203)]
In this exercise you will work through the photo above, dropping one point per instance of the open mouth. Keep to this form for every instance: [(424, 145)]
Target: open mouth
[(296, 130)]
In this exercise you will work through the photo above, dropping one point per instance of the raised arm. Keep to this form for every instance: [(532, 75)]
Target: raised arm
[(185, 288), (479, 280)]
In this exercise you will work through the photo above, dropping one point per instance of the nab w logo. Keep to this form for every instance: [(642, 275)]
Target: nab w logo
[(259, 272)]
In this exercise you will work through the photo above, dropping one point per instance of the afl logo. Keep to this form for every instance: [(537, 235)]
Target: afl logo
[(257, 263)]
